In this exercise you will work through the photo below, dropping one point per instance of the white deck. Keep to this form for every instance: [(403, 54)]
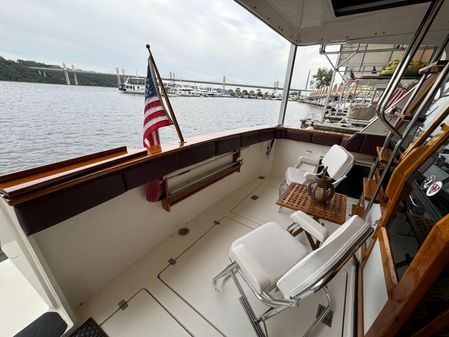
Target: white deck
[(179, 299), (20, 304)]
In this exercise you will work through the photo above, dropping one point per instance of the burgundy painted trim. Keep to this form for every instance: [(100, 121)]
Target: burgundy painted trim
[(299, 135), (250, 138), (196, 154), (140, 174), (45, 211), (227, 145)]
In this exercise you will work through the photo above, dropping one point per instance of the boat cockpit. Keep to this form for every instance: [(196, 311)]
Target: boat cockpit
[(260, 231)]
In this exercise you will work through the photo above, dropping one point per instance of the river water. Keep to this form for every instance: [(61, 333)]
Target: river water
[(45, 123)]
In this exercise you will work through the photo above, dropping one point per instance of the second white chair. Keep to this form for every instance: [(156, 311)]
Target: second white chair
[(338, 161)]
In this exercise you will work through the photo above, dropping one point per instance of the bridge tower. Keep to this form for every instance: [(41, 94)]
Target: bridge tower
[(66, 74), (224, 85), (75, 79), (119, 82), (275, 87)]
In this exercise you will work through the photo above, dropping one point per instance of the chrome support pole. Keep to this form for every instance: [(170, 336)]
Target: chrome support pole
[(335, 68), (422, 30), (247, 307), (323, 314), (287, 83), (224, 274), (272, 312)]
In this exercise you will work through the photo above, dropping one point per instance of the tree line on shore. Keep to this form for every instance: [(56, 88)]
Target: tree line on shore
[(18, 71)]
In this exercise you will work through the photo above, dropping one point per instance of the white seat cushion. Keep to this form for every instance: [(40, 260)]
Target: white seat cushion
[(298, 174), (338, 161), (314, 266), (265, 254), (311, 226)]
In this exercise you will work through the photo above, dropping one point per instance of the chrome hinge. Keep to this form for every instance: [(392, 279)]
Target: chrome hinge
[(123, 304)]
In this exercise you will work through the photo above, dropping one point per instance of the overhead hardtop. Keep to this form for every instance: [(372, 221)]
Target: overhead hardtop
[(309, 22)]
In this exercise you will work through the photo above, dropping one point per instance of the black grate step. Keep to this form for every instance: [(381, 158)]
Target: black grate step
[(90, 328)]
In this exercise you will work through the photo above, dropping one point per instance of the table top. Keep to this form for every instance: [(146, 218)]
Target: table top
[(296, 197)]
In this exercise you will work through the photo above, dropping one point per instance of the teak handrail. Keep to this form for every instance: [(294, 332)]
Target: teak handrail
[(16, 184), (19, 187)]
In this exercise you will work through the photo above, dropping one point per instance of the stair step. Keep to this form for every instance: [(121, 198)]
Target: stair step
[(357, 210), (408, 117), (369, 186), (384, 154), (434, 67)]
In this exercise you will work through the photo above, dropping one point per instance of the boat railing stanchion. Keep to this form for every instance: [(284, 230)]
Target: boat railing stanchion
[(421, 32), (287, 83)]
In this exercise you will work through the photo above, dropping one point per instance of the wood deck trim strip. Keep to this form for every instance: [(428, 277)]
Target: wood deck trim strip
[(16, 188), (391, 280), (46, 170)]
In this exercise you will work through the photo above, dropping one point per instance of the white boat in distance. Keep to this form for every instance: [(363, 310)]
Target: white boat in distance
[(133, 85), (217, 256)]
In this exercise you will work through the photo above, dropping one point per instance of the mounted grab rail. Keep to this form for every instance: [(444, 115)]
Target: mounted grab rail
[(422, 108), (421, 32), (418, 87)]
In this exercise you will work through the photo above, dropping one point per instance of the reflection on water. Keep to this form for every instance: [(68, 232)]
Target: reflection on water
[(45, 123)]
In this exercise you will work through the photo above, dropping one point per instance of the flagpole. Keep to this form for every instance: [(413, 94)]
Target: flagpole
[(170, 108)]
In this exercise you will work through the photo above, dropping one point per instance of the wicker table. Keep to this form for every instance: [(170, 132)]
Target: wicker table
[(297, 198)]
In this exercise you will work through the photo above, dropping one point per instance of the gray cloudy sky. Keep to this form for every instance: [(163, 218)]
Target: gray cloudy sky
[(201, 39)]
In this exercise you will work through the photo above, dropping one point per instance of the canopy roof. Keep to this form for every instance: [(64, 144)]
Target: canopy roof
[(369, 59), (309, 22)]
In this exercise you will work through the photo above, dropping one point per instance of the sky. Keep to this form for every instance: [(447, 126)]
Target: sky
[(195, 39)]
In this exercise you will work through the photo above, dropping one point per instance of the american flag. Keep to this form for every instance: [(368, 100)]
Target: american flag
[(395, 98), (155, 115), (352, 76)]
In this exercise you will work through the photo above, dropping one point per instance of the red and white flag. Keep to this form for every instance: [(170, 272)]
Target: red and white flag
[(395, 98), (155, 117)]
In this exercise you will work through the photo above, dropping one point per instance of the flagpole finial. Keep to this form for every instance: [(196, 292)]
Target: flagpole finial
[(147, 46)]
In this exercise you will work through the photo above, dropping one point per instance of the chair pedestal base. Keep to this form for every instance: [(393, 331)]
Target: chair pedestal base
[(276, 308)]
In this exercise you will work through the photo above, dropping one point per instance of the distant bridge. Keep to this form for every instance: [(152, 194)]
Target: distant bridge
[(66, 70)]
